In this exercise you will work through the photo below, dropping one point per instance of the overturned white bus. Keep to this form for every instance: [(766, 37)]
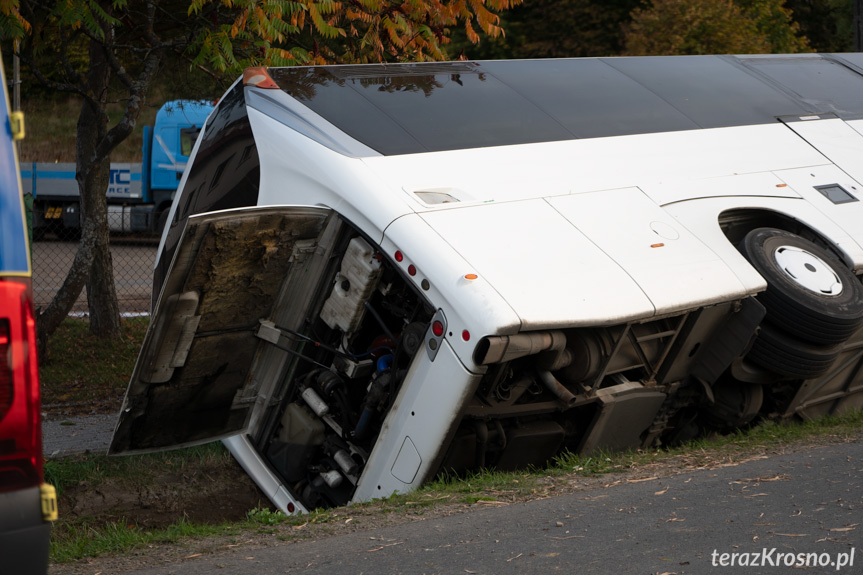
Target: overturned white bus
[(374, 273)]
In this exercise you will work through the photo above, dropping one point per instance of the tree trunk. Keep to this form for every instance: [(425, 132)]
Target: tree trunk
[(92, 264), (93, 183), (92, 174), (52, 316)]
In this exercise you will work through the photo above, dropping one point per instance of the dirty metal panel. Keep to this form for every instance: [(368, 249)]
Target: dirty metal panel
[(189, 385), (837, 391), (623, 418)]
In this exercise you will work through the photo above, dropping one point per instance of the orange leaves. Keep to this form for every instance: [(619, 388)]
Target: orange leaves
[(329, 31), (487, 20)]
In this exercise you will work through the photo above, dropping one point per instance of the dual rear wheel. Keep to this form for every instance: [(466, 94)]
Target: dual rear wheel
[(814, 303)]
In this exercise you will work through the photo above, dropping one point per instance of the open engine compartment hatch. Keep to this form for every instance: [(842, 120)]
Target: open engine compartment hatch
[(194, 381)]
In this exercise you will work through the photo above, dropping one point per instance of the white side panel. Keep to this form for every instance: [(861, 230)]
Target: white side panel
[(838, 141), (673, 267), (548, 271), (701, 217), (849, 215), (474, 305), (857, 125), (429, 403), (252, 463), (509, 173), (759, 185)]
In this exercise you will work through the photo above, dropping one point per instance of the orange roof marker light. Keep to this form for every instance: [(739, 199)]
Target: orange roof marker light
[(258, 78), (470, 276)]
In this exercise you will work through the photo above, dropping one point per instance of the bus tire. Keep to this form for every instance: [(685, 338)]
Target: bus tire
[(810, 294)]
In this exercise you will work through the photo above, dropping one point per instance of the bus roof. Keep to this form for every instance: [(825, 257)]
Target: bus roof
[(428, 107)]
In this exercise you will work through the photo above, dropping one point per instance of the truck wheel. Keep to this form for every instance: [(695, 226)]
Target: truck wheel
[(810, 294), (784, 355)]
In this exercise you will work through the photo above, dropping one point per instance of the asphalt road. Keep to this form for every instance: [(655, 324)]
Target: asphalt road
[(62, 436), (808, 504)]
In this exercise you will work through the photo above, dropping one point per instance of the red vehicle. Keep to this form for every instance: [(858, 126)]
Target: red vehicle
[(27, 505)]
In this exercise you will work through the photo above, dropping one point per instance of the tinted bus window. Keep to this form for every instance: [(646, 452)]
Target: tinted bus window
[(224, 174)]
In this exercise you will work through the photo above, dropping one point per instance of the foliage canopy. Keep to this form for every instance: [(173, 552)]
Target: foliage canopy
[(713, 27), (596, 28)]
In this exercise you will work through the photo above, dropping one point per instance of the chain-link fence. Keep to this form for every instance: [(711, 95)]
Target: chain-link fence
[(132, 257)]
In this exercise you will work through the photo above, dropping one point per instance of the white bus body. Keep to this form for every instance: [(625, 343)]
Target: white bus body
[(376, 273)]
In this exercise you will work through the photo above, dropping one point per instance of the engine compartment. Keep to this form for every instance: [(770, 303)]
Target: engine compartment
[(355, 346)]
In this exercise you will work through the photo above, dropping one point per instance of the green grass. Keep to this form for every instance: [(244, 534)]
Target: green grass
[(82, 538), (72, 542), (81, 368), (595, 464), (87, 538), (96, 470), (76, 538)]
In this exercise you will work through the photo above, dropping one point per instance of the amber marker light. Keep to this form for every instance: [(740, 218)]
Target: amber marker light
[(470, 276), (657, 245), (258, 77)]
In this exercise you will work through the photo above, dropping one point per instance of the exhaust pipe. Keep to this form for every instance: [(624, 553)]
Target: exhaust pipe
[(550, 382)]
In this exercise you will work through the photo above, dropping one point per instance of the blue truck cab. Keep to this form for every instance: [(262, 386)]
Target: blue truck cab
[(167, 147), (27, 505), (139, 194)]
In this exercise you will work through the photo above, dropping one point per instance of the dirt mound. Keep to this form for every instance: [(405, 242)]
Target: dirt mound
[(216, 491)]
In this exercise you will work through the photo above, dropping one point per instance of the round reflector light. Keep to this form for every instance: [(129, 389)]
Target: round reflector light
[(437, 328), (399, 256)]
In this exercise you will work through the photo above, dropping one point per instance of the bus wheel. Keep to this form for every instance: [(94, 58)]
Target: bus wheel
[(810, 294)]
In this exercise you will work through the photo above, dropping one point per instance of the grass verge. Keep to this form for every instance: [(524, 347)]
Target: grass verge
[(81, 369), (137, 470), (81, 538), (86, 539)]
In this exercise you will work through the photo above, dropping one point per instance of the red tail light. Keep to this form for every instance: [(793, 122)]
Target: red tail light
[(437, 328), (20, 430), (7, 392)]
